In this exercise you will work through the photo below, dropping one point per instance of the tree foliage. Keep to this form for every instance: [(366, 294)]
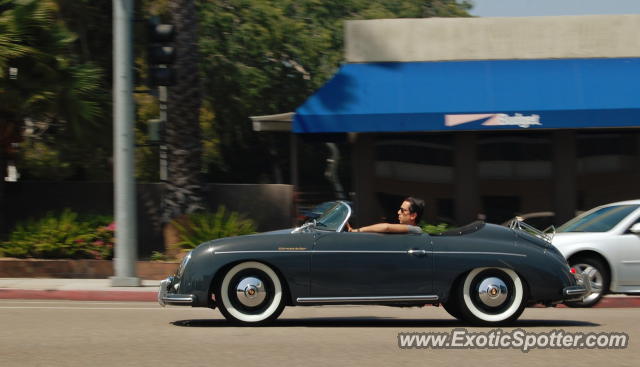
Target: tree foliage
[(42, 80), (268, 56), (48, 83), (258, 57)]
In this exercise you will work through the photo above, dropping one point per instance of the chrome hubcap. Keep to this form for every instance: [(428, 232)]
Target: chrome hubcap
[(493, 292), (251, 291), (595, 277)]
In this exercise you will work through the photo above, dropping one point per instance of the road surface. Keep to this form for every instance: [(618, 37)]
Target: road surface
[(74, 333)]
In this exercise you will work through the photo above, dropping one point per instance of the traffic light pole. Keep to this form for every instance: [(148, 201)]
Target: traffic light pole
[(162, 101), (161, 55), (124, 176)]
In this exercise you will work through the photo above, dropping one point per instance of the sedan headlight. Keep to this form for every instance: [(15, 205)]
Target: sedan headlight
[(183, 265)]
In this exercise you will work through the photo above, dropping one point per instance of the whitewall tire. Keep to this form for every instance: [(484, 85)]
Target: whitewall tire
[(250, 293), (492, 296)]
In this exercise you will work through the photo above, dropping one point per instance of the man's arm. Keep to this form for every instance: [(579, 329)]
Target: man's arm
[(383, 228)]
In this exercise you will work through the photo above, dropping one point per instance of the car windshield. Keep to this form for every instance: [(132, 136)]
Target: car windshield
[(601, 220), (334, 218)]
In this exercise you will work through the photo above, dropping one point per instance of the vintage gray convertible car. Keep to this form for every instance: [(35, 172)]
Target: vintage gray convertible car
[(482, 273)]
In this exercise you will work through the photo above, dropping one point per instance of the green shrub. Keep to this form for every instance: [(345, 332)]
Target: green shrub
[(159, 256), (202, 227), (434, 229), (62, 236)]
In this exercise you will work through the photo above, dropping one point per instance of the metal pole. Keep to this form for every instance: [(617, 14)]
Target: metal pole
[(124, 179)]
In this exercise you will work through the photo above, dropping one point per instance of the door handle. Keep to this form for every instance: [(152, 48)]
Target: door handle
[(416, 252)]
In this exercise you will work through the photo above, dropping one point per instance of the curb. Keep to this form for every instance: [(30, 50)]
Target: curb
[(78, 295), (151, 296), (618, 302), (608, 302)]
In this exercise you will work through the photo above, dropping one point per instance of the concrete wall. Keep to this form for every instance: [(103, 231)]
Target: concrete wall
[(443, 39)]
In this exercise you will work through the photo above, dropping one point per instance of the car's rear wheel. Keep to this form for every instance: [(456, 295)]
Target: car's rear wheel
[(491, 296), (250, 293), (598, 276)]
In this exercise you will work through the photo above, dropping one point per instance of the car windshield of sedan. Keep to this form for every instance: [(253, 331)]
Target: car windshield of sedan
[(334, 218), (601, 220)]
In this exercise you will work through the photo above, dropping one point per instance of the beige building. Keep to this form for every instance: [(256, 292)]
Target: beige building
[(493, 116)]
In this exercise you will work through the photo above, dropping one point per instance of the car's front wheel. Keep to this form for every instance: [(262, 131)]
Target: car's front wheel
[(598, 276), (250, 293), (491, 296)]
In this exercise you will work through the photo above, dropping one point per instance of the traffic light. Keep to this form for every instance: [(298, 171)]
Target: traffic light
[(161, 53)]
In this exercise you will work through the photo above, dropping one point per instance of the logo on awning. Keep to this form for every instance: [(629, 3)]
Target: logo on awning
[(493, 119)]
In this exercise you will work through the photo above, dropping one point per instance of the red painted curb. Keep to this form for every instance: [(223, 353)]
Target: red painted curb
[(77, 295), (618, 302), (610, 302)]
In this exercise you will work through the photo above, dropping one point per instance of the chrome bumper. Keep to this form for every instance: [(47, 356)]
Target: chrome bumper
[(166, 298), (579, 291)]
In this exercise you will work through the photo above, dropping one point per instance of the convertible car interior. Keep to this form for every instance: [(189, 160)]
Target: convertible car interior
[(460, 231)]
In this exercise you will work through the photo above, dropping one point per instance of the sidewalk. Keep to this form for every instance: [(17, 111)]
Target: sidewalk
[(101, 290), (76, 289)]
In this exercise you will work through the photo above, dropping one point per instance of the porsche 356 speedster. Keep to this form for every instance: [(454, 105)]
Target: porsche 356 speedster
[(482, 273)]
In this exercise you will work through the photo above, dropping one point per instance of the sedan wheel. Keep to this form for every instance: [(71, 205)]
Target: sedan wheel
[(492, 296), (250, 293), (598, 276)]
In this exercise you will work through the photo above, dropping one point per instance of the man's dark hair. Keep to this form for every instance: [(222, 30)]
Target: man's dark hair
[(417, 206)]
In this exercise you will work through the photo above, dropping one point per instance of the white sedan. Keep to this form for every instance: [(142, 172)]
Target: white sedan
[(604, 242)]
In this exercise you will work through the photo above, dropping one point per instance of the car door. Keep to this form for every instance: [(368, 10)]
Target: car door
[(346, 264), (627, 257)]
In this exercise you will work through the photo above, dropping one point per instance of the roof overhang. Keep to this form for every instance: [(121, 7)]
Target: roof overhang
[(475, 95), (279, 122)]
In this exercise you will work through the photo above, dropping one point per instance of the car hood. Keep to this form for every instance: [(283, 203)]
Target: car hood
[(279, 231), (265, 241)]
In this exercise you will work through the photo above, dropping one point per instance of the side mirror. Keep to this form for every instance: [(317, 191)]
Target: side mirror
[(635, 228)]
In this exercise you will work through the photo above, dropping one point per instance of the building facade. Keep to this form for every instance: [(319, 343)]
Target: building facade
[(487, 117)]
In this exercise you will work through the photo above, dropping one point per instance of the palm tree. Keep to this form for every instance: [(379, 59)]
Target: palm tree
[(183, 189), (40, 77)]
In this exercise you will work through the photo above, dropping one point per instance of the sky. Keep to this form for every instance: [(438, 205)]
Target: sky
[(519, 8)]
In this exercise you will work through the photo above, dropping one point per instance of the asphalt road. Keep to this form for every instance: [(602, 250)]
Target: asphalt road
[(73, 333)]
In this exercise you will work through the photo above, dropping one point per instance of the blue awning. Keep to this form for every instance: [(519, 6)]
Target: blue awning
[(475, 95)]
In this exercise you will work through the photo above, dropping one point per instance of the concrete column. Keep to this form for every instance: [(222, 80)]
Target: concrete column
[(363, 163), (564, 175), (467, 191), (125, 255)]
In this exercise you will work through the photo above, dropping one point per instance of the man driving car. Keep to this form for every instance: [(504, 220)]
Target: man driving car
[(409, 215)]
